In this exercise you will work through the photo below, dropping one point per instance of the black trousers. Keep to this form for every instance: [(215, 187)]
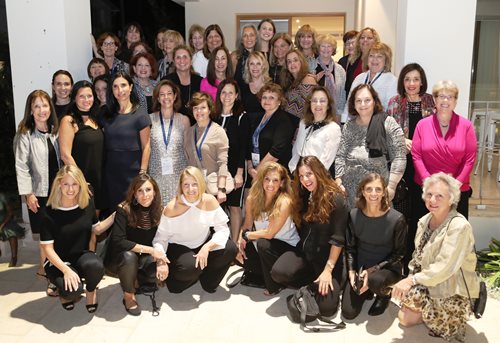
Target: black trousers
[(130, 266), (379, 282), (88, 267), (261, 261), (293, 270), (182, 271)]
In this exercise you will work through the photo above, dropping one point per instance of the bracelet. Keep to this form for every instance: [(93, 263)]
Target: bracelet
[(330, 264), (244, 235), (142, 247)]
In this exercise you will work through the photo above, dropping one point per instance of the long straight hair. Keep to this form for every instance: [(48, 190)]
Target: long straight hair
[(27, 124)]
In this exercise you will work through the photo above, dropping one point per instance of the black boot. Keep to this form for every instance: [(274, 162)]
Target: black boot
[(379, 305)]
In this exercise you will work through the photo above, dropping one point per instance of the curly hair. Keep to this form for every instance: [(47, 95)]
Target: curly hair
[(257, 195), (322, 200)]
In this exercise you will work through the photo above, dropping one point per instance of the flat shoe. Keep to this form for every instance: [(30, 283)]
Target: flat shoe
[(92, 307), (268, 293), (68, 306), (133, 311)]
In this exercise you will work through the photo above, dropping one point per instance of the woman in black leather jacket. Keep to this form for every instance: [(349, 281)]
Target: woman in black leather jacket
[(375, 246), (321, 218)]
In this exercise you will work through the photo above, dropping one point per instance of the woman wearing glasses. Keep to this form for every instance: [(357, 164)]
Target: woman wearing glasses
[(370, 142), (446, 142)]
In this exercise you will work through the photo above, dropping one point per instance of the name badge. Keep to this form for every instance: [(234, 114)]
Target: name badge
[(167, 166), (255, 159)]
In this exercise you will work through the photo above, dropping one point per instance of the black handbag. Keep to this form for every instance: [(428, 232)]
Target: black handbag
[(478, 305), (401, 192)]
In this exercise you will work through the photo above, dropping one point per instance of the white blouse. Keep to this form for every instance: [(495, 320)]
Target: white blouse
[(322, 143), (200, 63), (192, 229), (288, 233)]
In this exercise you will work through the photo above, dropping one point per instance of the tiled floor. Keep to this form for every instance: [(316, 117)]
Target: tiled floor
[(241, 315)]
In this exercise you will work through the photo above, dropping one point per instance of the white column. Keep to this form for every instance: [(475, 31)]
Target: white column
[(44, 36), (439, 35)]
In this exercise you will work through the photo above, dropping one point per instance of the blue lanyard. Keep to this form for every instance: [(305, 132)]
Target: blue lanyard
[(256, 134), (375, 79), (166, 139), (198, 147)]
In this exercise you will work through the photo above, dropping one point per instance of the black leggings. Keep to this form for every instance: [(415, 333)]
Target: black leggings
[(88, 267), (182, 271), (293, 270), (261, 261), (379, 282), (130, 266)]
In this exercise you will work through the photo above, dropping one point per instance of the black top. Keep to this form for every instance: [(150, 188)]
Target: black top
[(350, 75), (69, 229), (275, 72), (376, 240), (88, 153), (186, 91), (53, 163), (344, 61), (125, 237), (62, 110), (316, 239), (238, 133), (275, 138), (251, 103)]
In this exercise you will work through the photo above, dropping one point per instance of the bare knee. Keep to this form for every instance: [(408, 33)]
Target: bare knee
[(408, 317)]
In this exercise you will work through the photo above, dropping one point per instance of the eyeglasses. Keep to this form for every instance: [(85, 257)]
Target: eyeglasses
[(446, 97), (108, 44), (363, 101), (377, 190), (350, 42)]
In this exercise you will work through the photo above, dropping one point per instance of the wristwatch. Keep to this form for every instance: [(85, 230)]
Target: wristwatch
[(244, 235), (222, 189)]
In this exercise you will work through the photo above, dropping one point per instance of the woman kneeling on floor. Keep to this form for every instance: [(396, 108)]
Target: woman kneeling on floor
[(321, 216), (131, 254), (268, 208), (184, 234), (375, 246), (68, 222), (442, 269)]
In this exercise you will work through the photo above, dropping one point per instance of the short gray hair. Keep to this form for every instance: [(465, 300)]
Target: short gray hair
[(452, 183)]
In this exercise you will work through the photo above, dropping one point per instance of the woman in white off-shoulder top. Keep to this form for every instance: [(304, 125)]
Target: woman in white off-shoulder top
[(184, 235)]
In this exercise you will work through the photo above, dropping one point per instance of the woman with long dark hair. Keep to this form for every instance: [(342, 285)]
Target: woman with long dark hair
[(127, 129)]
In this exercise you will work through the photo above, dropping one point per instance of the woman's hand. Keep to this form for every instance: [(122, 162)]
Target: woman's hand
[(408, 145), (252, 172), (159, 256), (32, 202), (401, 289), (238, 180), (161, 271), (242, 244), (339, 183), (324, 282), (364, 275), (71, 280), (320, 75), (202, 257), (221, 197), (391, 193)]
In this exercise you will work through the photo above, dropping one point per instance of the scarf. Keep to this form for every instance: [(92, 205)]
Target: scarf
[(329, 76), (376, 136)]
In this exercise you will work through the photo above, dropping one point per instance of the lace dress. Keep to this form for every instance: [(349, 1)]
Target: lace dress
[(167, 182)]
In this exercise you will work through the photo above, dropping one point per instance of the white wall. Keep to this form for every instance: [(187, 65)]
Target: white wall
[(439, 36), (223, 12), (44, 36)]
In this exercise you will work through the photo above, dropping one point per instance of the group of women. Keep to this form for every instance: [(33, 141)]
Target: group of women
[(162, 154)]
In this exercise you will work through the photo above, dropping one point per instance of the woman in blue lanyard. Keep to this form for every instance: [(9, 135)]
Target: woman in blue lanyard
[(206, 144), (167, 159), (271, 139), (378, 76)]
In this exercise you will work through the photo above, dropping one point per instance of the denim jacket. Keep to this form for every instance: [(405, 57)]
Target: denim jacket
[(32, 162)]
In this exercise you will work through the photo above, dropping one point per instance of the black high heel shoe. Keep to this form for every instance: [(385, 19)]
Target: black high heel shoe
[(91, 308)]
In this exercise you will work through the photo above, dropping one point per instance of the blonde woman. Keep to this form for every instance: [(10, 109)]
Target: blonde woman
[(171, 40), (268, 209), (184, 234), (68, 223)]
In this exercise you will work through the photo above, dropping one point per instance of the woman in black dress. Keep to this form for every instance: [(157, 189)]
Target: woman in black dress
[(81, 139), (231, 117), (68, 222), (130, 253), (127, 129)]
